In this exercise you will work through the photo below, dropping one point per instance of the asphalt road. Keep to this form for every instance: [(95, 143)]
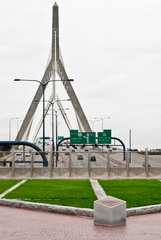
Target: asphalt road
[(116, 157)]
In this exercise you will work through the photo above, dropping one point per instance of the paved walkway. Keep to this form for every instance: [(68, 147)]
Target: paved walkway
[(100, 193), (25, 224)]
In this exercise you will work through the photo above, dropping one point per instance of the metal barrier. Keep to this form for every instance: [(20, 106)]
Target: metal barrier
[(70, 164)]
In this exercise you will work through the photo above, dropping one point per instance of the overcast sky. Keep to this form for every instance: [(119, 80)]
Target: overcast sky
[(112, 50)]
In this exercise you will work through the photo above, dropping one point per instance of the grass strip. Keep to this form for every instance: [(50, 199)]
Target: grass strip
[(76, 193), (136, 193), (7, 184)]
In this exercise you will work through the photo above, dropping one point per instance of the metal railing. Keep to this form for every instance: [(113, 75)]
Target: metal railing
[(106, 161)]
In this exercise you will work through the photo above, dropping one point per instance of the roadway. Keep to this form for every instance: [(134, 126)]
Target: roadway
[(116, 157), (101, 158)]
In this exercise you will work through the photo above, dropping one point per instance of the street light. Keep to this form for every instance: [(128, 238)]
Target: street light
[(57, 132), (92, 123), (43, 86), (10, 128), (102, 121), (52, 104)]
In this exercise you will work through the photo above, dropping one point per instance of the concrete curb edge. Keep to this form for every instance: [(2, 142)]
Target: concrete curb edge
[(48, 207), (73, 210)]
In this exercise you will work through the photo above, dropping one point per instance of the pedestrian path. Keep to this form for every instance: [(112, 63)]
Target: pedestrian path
[(24, 224), (100, 193)]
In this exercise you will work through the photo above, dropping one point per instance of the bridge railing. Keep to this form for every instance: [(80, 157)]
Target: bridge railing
[(78, 164)]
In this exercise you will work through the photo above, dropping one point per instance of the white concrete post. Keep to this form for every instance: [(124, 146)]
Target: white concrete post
[(32, 163), (13, 163), (89, 165), (51, 163), (127, 163), (108, 163), (70, 169), (23, 153), (146, 162)]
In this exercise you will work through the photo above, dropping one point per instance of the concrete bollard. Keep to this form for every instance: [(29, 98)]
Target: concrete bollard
[(110, 211)]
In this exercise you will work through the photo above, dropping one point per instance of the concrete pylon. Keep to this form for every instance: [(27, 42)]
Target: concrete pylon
[(55, 65)]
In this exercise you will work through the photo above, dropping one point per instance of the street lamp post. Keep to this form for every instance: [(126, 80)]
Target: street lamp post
[(93, 123), (10, 128), (43, 86), (52, 104), (56, 116), (102, 121)]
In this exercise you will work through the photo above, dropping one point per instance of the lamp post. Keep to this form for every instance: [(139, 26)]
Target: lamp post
[(52, 104), (43, 86), (10, 128), (102, 121), (57, 132), (93, 123)]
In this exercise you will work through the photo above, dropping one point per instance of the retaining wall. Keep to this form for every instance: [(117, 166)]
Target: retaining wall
[(78, 173)]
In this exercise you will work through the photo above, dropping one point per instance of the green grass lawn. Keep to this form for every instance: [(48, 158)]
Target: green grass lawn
[(6, 184), (79, 193), (76, 193), (136, 192)]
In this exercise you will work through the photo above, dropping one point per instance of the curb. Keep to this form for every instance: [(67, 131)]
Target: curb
[(143, 210), (48, 207), (73, 210)]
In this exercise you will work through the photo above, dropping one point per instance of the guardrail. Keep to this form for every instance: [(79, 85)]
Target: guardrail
[(111, 169)]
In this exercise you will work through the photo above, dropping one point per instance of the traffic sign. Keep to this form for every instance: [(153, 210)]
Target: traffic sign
[(60, 137), (104, 137), (82, 137)]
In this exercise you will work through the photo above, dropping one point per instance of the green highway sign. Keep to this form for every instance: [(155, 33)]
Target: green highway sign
[(82, 137), (60, 137), (104, 137)]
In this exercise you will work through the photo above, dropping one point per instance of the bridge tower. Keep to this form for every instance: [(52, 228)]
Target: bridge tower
[(55, 65)]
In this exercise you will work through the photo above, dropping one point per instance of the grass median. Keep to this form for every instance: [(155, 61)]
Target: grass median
[(136, 193), (76, 193), (6, 184)]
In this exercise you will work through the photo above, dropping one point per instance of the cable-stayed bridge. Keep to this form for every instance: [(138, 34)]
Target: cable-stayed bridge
[(55, 67)]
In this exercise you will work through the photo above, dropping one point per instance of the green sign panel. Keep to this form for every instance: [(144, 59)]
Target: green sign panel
[(82, 137), (60, 137), (104, 137)]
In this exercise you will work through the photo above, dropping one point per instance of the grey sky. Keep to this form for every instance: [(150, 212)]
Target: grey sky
[(112, 50)]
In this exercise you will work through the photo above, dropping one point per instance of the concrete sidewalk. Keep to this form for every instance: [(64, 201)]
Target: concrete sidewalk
[(19, 224)]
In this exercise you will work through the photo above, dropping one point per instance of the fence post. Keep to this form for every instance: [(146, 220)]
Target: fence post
[(32, 163), (70, 169), (23, 153), (51, 163), (13, 163), (108, 163), (146, 162), (89, 165), (127, 162)]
